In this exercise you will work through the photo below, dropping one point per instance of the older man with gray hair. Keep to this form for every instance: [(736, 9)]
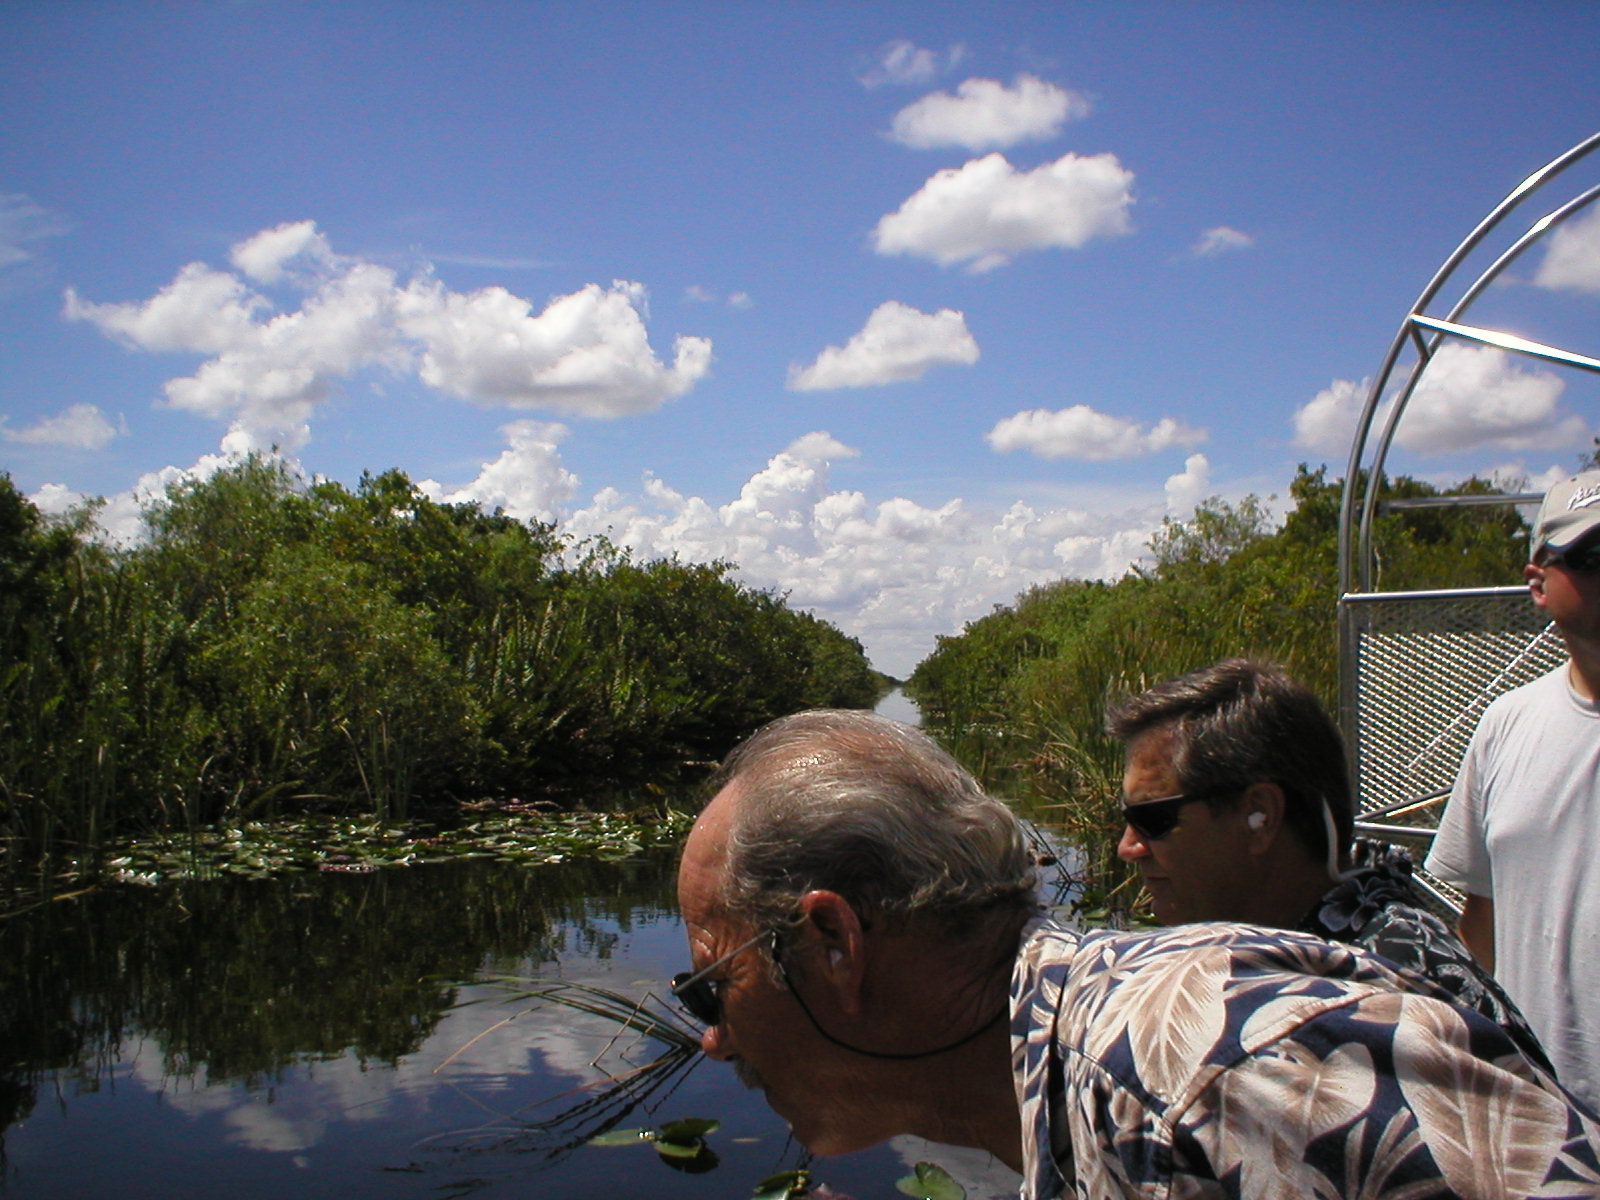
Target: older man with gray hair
[(867, 950)]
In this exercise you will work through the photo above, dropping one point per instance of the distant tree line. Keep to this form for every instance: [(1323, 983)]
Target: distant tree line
[(1020, 694), (277, 647)]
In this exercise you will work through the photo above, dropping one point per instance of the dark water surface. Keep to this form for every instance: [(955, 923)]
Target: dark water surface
[(344, 1036)]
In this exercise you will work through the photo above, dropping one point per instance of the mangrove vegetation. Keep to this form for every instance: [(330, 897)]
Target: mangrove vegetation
[(279, 648)]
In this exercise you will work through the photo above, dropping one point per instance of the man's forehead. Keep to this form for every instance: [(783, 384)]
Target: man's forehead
[(705, 854), (1156, 742), (709, 834)]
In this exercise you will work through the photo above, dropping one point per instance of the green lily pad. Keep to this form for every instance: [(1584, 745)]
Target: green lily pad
[(930, 1181), (623, 1137), (702, 1160), (679, 1149), (687, 1128), (785, 1185)]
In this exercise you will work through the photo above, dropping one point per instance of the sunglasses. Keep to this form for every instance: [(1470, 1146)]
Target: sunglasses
[(699, 994), (1154, 819), (1581, 560)]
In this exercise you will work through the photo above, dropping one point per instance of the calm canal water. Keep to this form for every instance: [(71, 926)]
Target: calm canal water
[(352, 1036)]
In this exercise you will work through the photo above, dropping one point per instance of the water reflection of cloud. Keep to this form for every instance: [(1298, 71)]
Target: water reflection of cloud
[(500, 1057), (982, 1175)]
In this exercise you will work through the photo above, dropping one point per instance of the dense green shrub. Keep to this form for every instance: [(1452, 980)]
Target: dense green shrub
[(279, 646)]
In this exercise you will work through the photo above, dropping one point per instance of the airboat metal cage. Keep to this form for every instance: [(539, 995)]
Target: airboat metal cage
[(1418, 668)]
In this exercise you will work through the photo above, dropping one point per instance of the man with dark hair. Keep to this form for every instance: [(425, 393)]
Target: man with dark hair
[(1238, 807), (867, 949), (1521, 830)]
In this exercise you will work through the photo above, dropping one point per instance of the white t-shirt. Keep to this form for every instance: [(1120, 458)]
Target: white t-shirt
[(1523, 828)]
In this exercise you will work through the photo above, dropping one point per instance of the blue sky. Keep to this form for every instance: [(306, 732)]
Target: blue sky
[(902, 307)]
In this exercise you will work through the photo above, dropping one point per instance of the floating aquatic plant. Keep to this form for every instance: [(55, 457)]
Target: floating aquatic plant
[(785, 1185), (258, 849), (930, 1181), (681, 1144)]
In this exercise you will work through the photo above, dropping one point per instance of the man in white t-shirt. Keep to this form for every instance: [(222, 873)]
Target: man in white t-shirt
[(1521, 833)]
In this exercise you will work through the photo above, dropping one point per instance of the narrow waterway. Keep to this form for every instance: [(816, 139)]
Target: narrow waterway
[(898, 706), (341, 1035)]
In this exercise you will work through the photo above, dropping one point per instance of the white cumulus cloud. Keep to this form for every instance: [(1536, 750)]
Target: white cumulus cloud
[(904, 63), (1470, 397), (898, 343), (1221, 240), (1327, 422), (987, 212), (583, 354), (266, 256), (1189, 486), (893, 573), (80, 427), (527, 480), (984, 114), (1083, 433), (202, 311), (586, 353), (1572, 255)]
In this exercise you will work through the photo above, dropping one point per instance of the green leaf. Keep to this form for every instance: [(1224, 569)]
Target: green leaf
[(679, 1149), (688, 1128), (786, 1185), (930, 1181), (623, 1137)]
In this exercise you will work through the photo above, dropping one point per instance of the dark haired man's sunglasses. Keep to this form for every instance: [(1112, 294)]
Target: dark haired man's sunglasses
[(1580, 560), (699, 994), (1154, 819)]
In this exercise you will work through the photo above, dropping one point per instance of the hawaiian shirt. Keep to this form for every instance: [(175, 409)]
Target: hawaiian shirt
[(1374, 906), (1228, 1061)]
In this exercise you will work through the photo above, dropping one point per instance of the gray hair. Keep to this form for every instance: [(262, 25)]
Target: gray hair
[(854, 803), (1239, 722)]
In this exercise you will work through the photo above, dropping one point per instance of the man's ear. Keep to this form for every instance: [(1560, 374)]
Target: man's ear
[(835, 944), (1263, 807), (1534, 574)]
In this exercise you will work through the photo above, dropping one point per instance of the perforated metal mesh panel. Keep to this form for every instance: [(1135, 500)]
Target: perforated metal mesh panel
[(1420, 669)]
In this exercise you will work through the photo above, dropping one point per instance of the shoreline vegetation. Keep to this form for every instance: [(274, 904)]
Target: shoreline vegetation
[(291, 675), (1019, 695), (282, 650)]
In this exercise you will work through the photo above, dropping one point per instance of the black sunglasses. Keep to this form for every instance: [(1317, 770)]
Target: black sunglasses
[(1580, 560), (699, 994), (1154, 819)]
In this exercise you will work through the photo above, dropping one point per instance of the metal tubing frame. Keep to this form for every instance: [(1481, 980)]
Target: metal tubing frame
[(1425, 334), (1407, 331), (1426, 347)]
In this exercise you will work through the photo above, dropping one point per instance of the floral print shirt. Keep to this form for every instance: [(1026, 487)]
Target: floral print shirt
[(1227, 1061), (1375, 906)]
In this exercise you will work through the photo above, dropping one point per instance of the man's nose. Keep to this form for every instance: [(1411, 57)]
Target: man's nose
[(1132, 847)]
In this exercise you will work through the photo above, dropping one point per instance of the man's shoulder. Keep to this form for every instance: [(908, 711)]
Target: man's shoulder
[(1551, 687), (1213, 961), (1157, 1010)]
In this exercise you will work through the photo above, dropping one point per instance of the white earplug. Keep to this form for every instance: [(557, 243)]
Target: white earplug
[(1256, 820), (835, 957)]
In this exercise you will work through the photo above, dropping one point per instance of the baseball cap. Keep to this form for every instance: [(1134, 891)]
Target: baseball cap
[(1570, 512)]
